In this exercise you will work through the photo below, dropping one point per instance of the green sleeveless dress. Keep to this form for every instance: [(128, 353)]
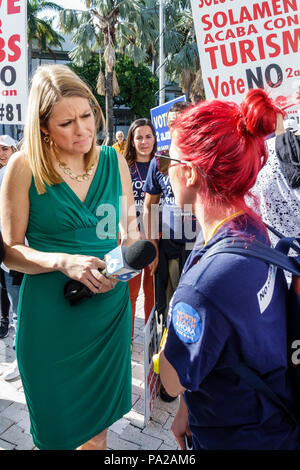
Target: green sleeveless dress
[(74, 361)]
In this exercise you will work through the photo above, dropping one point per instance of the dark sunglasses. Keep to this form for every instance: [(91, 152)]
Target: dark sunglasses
[(164, 161)]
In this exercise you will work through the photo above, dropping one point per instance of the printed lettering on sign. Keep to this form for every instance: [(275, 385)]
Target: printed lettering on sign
[(159, 121), (152, 338), (244, 45)]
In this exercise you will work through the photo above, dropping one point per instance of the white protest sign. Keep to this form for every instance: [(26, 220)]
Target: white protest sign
[(13, 61), (152, 337), (253, 44)]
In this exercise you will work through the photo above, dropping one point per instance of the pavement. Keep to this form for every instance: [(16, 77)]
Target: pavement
[(129, 433)]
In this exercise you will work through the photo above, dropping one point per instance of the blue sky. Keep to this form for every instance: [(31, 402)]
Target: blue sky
[(76, 4)]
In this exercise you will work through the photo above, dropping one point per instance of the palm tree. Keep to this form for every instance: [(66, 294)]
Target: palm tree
[(41, 29), (107, 27), (182, 57), (180, 45)]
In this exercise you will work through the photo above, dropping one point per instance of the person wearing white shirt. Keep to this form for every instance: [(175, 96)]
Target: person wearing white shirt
[(10, 284), (277, 187)]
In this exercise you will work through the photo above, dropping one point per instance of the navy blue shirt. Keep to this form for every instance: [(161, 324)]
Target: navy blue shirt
[(138, 172), (226, 309), (176, 226)]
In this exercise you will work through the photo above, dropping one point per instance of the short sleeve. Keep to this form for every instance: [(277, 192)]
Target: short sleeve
[(152, 185), (196, 337)]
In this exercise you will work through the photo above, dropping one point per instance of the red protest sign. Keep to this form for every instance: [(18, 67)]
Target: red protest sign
[(13, 6), (248, 46)]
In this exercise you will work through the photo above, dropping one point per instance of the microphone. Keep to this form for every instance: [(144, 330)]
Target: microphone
[(121, 263), (124, 263)]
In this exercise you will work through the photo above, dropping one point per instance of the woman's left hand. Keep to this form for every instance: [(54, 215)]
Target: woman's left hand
[(106, 284), (86, 269)]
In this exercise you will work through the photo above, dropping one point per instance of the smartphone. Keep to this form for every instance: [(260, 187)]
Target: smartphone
[(188, 442)]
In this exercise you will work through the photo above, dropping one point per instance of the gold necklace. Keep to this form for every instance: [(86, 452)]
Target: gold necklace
[(84, 177)]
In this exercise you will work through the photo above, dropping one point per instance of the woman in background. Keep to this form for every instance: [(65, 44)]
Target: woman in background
[(140, 149)]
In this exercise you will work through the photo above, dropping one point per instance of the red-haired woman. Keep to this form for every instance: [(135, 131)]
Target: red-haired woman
[(218, 317)]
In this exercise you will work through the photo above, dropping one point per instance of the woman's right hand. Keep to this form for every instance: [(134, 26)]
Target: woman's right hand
[(180, 427), (86, 269)]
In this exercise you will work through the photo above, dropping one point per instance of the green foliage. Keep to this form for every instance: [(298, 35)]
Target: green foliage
[(89, 73), (179, 39), (137, 86), (41, 29), (131, 28)]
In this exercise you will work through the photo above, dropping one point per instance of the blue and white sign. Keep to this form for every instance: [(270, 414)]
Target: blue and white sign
[(159, 121)]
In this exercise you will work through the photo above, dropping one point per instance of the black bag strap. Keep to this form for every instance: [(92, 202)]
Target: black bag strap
[(273, 256), (273, 230), (285, 243), (257, 250)]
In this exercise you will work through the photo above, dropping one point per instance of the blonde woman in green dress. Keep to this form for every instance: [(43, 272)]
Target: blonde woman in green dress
[(74, 361)]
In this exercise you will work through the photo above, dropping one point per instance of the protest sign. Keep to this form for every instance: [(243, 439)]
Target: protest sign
[(253, 44), (152, 337), (159, 121), (13, 61)]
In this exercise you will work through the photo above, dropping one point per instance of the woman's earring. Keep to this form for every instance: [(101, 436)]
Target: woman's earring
[(46, 139)]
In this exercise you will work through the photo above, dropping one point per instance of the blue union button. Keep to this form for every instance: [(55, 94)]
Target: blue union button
[(187, 322)]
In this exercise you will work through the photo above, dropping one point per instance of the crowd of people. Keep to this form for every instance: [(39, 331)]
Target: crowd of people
[(221, 177)]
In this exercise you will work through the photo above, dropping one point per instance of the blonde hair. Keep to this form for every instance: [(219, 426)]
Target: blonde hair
[(49, 85)]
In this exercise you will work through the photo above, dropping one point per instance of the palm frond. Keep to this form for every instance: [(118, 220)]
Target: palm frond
[(137, 54), (80, 55), (84, 34), (72, 19)]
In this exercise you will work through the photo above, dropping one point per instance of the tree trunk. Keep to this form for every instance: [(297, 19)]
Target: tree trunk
[(109, 109)]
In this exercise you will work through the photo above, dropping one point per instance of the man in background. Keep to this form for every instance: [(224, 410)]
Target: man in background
[(9, 280), (119, 146)]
